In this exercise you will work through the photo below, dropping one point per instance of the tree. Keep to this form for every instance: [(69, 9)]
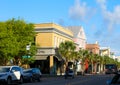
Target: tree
[(4, 43), (84, 55), (101, 63), (91, 61), (66, 49), (96, 62), (15, 35)]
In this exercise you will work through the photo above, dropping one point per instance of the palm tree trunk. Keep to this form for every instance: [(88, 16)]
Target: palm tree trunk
[(92, 67), (95, 68), (101, 68)]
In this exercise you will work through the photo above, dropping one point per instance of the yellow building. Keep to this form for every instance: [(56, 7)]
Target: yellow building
[(48, 38)]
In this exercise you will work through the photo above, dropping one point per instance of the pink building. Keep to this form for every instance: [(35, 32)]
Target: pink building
[(79, 36)]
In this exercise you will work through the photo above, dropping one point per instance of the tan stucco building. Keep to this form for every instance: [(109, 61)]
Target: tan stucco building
[(48, 38), (94, 48)]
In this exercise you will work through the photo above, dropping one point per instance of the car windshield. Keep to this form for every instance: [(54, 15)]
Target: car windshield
[(4, 69), (110, 66), (27, 71)]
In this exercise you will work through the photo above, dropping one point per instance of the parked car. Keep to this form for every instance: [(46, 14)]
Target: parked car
[(32, 74), (69, 73), (11, 74), (115, 80), (111, 69)]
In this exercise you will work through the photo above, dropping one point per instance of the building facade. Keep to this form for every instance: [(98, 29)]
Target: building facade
[(48, 38), (105, 51), (94, 48), (79, 39), (79, 36)]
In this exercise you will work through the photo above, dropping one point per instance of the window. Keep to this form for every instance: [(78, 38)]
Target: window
[(15, 69), (55, 41), (4, 69)]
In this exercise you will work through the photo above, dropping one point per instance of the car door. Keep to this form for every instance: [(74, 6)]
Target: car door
[(34, 73), (15, 73), (37, 73)]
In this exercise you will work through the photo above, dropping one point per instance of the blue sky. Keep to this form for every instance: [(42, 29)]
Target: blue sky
[(100, 18)]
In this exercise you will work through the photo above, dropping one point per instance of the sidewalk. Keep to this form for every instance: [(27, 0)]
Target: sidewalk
[(50, 75)]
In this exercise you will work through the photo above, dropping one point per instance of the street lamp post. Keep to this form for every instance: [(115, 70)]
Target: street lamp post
[(28, 49)]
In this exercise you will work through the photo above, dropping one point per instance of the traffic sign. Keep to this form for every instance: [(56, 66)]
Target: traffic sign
[(26, 56)]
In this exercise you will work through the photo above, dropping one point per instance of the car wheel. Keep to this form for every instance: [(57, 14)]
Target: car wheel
[(8, 81), (21, 80), (31, 79), (39, 78)]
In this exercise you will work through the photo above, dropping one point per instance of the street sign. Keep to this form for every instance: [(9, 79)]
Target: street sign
[(28, 56), (25, 56)]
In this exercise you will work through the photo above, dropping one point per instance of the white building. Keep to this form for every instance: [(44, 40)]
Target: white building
[(118, 58), (105, 51)]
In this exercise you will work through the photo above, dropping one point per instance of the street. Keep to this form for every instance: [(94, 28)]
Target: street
[(78, 80)]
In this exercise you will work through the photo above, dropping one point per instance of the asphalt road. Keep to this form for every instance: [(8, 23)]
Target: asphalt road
[(78, 80)]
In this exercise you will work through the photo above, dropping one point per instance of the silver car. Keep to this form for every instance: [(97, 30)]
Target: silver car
[(11, 74)]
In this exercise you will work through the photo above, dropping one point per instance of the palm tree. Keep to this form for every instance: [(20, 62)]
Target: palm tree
[(96, 61), (91, 60), (66, 49), (101, 63), (107, 60), (84, 54), (75, 58)]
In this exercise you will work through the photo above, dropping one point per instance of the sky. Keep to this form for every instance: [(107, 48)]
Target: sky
[(99, 18)]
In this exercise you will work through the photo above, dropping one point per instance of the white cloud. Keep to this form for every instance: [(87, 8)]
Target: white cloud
[(80, 11), (111, 18), (102, 4)]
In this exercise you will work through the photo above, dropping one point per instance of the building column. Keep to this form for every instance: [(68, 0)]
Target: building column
[(51, 64)]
